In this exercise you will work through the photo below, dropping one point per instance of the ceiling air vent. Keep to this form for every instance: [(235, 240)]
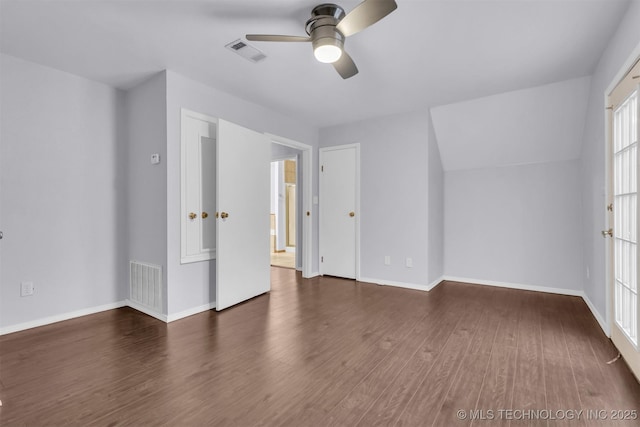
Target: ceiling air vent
[(246, 51)]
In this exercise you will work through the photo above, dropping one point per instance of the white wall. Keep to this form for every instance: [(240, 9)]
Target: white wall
[(283, 152), (533, 125), (192, 285), (593, 161), (62, 204), (147, 183), (519, 225), (393, 201), (435, 250)]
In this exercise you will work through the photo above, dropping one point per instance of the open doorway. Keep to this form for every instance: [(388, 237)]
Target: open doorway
[(287, 149), (284, 209)]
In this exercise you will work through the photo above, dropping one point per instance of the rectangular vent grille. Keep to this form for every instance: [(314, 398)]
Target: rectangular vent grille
[(246, 51), (145, 285), (238, 45)]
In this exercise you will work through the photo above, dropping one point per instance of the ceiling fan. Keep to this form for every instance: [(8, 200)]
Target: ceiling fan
[(329, 26)]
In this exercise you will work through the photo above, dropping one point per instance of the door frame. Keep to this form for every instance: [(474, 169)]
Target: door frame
[(321, 151), (307, 199), (622, 72)]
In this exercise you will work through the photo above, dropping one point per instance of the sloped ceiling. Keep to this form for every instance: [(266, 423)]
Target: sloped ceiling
[(540, 124), (426, 53)]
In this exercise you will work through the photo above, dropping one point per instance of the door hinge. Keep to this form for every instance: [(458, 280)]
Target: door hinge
[(610, 207), (322, 168), (321, 259)]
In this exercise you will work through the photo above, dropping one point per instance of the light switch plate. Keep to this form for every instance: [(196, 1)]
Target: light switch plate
[(26, 289)]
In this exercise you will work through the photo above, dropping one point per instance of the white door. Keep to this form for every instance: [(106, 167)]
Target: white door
[(623, 218), (242, 268), (339, 216), (198, 187)]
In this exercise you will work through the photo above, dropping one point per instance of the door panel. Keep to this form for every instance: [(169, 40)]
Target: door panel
[(242, 270), (208, 190), (623, 219), (338, 216), (197, 225)]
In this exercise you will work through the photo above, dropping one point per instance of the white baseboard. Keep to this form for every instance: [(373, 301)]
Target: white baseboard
[(561, 291), (312, 275), (93, 310), (405, 285), (604, 325), (174, 316), (60, 317), (436, 282), (190, 312), (141, 308)]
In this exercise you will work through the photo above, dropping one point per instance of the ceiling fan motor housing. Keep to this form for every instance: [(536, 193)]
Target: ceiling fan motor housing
[(322, 26)]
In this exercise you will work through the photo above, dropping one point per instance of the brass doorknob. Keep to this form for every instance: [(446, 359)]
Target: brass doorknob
[(204, 215), (224, 215), (608, 232), (192, 215), (352, 214)]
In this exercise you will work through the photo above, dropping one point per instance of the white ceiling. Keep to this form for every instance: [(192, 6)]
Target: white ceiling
[(426, 53), (535, 125)]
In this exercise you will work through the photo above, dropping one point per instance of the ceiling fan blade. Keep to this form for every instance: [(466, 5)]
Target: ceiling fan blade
[(365, 14), (276, 38), (345, 66)]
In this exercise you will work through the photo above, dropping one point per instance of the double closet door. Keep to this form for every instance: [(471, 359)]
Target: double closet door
[(225, 201)]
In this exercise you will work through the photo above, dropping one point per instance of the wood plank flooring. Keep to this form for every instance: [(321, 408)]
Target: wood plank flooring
[(283, 259), (325, 351)]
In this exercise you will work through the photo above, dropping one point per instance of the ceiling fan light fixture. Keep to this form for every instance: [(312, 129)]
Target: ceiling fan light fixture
[(328, 27), (327, 53)]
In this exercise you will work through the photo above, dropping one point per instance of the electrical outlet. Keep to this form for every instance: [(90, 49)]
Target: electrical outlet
[(387, 260), (588, 272), (26, 289), (409, 262)]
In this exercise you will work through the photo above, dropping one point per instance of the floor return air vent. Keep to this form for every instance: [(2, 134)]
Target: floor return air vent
[(145, 285)]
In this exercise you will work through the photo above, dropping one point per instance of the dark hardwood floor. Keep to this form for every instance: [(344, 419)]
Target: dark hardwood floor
[(325, 351)]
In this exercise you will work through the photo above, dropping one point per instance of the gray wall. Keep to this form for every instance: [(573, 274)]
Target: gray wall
[(282, 152), (513, 210), (147, 183), (393, 202), (518, 225), (533, 125), (593, 161), (62, 200), (435, 224)]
